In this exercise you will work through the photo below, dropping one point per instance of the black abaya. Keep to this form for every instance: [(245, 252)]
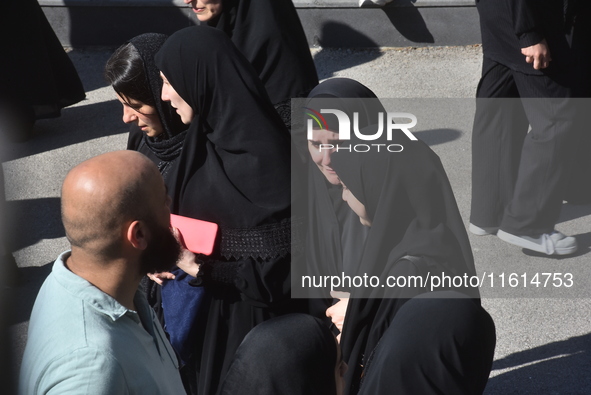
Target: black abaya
[(416, 230), (234, 170), (270, 35), (438, 343), (294, 354), (37, 77)]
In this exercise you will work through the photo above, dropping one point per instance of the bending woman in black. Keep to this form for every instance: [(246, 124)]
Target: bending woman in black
[(270, 35), (334, 233), (427, 342), (156, 129), (234, 170)]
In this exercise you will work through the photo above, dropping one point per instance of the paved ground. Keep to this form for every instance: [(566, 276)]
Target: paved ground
[(543, 334)]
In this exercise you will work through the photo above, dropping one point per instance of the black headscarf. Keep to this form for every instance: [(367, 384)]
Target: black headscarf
[(416, 229), (234, 170), (335, 235), (269, 33), (410, 201), (235, 166), (339, 93), (293, 354), (168, 145)]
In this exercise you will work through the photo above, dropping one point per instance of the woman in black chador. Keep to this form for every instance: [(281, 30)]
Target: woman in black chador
[(334, 231), (234, 170), (270, 35), (428, 342), (156, 129), (334, 235), (37, 78)]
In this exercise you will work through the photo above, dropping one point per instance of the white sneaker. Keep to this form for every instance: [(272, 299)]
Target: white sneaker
[(554, 243), (478, 231)]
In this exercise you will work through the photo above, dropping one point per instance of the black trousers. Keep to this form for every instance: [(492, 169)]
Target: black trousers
[(518, 177)]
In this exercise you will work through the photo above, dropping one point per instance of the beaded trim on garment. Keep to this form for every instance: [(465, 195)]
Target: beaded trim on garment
[(262, 242)]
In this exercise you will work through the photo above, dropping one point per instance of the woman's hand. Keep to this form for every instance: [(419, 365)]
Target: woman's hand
[(187, 260), (188, 263), (337, 312), (159, 278)]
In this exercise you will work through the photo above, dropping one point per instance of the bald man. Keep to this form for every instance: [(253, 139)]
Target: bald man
[(91, 331)]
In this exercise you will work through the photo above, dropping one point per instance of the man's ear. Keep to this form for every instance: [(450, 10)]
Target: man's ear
[(137, 235)]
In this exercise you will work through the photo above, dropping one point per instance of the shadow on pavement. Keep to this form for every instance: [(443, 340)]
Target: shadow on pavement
[(33, 220), (113, 25), (76, 125), (574, 211), (23, 295), (332, 32), (90, 65), (409, 22), (556, 368), (438, 136)]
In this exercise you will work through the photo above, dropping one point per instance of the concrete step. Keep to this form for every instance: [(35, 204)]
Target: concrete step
[(328, 23)]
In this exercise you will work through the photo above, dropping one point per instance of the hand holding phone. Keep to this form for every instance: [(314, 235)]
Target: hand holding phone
[(198, 235)]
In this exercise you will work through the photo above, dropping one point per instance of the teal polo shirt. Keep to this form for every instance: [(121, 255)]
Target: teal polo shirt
[(82, 341)]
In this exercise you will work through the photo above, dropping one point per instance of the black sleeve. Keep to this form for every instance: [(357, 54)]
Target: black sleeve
[(261, 282), (212, 272), (525, 22)]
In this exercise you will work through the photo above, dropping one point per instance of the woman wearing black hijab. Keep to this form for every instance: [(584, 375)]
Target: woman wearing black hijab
[(335, 237), (234, 170), (335, 233), (156, 129), (270, 35), (295, 354), (440, 342)]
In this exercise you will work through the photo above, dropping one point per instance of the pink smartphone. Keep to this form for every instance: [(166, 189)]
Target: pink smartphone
[(199, 236)]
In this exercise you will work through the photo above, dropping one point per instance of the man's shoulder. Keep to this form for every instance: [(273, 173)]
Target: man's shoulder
[(64, 318), (71, 370), (56, 303), (69, 340)]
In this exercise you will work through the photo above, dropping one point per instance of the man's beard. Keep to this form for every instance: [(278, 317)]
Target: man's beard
[(163, 250)]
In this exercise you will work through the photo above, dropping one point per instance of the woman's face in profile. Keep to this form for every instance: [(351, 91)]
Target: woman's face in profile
[(206, 10), (357, 207), (143, 115), (182, 107), (321, 147)]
